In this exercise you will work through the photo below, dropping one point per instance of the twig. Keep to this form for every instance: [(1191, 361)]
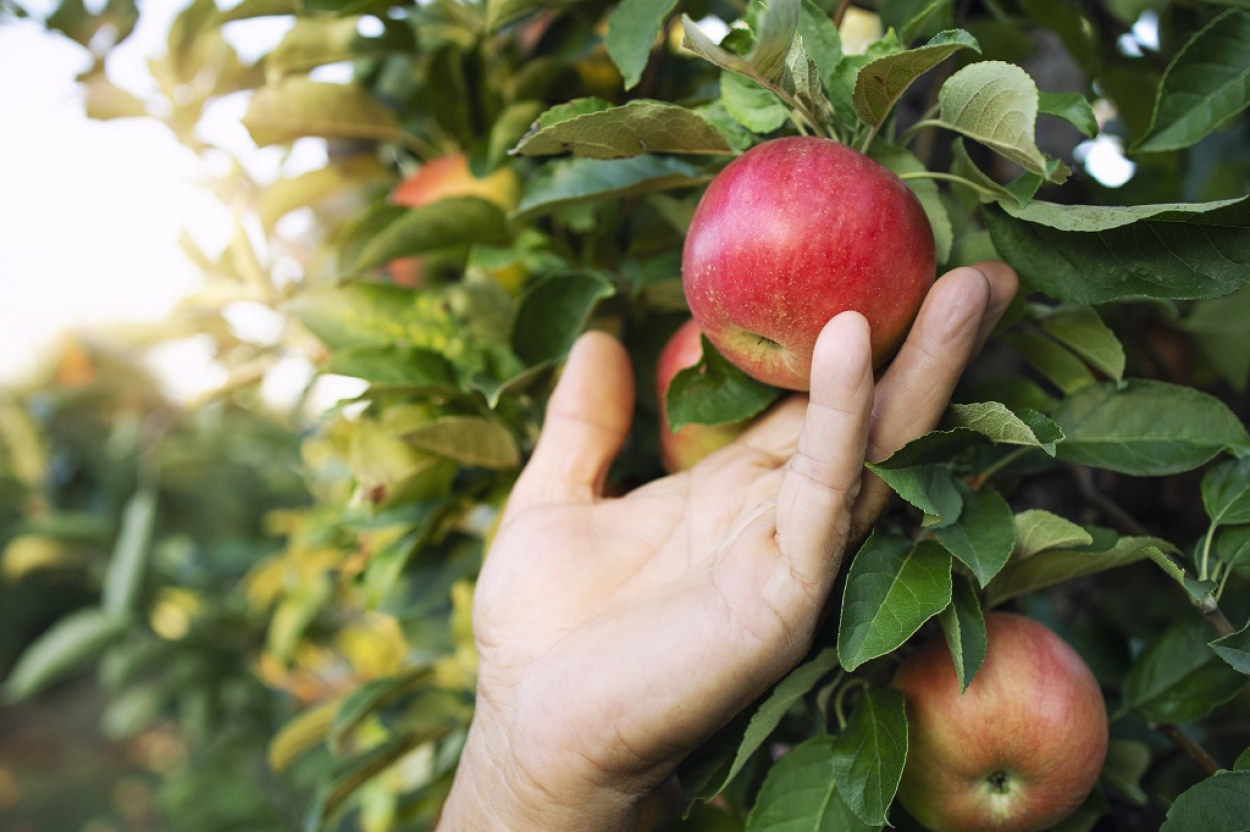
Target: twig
[(841, 12), (1192, 749), (1121, 519), (1127, 524)]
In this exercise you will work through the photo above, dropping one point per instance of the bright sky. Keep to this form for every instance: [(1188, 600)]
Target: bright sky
[(90, 212)]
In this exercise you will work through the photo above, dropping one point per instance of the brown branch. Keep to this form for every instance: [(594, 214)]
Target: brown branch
[(1127, 524), (1201, 757), (841, 12)]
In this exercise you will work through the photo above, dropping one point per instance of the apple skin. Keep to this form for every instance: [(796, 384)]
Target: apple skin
[(449, 176), (790, 234), (682, 450), (1019, 750)]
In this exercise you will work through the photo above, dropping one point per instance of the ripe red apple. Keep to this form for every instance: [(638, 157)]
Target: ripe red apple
[(790, 234), (1019, 750), (683, 449)]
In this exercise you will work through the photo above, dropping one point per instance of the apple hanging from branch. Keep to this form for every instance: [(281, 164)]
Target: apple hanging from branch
[(1019, 750), (790, 234)]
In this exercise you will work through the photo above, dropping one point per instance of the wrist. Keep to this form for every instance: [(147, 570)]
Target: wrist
[(500, 786)]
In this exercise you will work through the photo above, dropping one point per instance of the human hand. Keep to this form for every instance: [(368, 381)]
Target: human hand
[(615, 635)]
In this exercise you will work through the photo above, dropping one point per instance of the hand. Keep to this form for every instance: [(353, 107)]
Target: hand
[(615, 635)]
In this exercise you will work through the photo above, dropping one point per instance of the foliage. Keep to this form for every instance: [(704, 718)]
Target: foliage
[(1069, 481)]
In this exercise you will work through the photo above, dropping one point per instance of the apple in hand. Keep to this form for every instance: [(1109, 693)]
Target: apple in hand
[(684, 449), (1019, 750), (790, 234)]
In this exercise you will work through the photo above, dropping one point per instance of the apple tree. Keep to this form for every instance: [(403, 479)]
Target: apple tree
[(1093, 472)]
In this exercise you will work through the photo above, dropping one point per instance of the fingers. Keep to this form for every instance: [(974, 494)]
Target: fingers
[(587, 420), (820, 483), (958, 315)]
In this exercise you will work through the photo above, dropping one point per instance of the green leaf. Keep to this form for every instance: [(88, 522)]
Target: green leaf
[(995, 103), (1198, 590), (567, 182), (1233, 546), (912, 17), (70, 644), (1038, 530), (457, 221), (842, 83), (124, 579), (314, 42), (1147, 428), (1081, 330), (803, 82), (893, 587), (903, 161), (638, 127), (1127, 762), (963, 625), (799, 793), (1073, 108), (331, 798), (632, 29), (1226, 492), (469, 440), (501, 12), (1221, 327), (1053, 360), (984, 535), (751, 105), (774, 32), (881, 83), (553, 313), (788, 692), (869, 754), (715, 392), (1089, 254), (1217, 804), (364, 314), (394, 365), (1243, 761), (1057, 565), (930, 488), (297, 107), (368, 699), (996, 421), (820, 37), (1205, 85), (1179, 678), (1235, 649)]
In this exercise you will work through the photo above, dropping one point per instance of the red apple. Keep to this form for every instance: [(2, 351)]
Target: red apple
[(684, 449), (790, 234), (449, 176), (1019, 750)]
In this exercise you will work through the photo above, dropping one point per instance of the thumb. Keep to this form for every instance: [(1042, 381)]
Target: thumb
[(587, 420)]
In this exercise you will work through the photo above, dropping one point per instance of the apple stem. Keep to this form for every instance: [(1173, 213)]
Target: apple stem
[(977, 481), (839, 700)]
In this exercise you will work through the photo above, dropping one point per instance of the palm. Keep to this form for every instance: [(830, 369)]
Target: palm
[(647, 597), (620, 632)]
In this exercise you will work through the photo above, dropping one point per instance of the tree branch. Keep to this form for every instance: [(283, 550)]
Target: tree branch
[(1192, 749)]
